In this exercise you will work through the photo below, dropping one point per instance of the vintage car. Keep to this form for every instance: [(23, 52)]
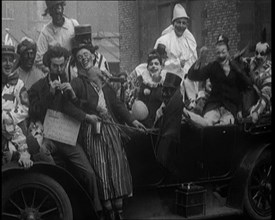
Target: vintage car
[(233, 162)]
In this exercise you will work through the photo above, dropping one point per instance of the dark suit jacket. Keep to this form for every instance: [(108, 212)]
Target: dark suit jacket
[(41, 99), (87, 100), (226, 90), (152, 101)]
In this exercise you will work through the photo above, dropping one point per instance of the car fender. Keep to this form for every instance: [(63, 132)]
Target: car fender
[(80, 200), (238, 181)]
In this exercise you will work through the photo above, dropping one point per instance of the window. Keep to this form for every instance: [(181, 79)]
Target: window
[(7, 10)]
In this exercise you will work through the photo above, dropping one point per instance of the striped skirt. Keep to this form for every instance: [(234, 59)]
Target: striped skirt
[(108, 158)]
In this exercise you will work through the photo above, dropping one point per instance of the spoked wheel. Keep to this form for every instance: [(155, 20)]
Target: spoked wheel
[(35, 197), (257, 198)]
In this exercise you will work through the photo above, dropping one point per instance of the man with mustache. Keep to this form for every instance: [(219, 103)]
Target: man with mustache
[(227, 80), (27, 71)]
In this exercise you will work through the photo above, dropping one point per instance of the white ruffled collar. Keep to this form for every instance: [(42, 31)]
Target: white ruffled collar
[(147, 79)]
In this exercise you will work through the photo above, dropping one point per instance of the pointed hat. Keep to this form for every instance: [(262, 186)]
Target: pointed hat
[(179, 12)]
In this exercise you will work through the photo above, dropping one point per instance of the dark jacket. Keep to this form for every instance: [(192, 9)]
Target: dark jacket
[(152, 101), (41, 99), (226, 90), (87, 100)]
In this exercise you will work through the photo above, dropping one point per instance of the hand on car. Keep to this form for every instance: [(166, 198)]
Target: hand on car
[(25, 160)]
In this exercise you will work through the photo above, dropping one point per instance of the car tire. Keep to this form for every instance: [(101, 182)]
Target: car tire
[(35, 196), (257, 195)]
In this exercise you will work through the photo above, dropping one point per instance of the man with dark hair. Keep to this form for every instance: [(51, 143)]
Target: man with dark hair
[(27, 71), (47, 94), (227, 80)]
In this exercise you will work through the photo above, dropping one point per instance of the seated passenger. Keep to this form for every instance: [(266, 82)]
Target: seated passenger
[(168, 118), (227, 81), (134, 78), (259, 69), (15, 106), (149, 90), (27, 71)]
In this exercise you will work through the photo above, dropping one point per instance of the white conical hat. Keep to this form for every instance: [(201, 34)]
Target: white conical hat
[(179, 12)]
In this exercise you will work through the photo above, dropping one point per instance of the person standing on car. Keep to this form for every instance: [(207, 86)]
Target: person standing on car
[(60, 31), (181, 49), (102, 137), (227, 81), (46, 94)]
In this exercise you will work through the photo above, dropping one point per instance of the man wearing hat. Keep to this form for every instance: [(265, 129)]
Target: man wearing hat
[(180, 46), (15, 105), (227, 81), (59, 31), (27, 71), (168, 119)]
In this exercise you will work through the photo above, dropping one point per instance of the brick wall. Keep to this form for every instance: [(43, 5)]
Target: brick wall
[(129, 40), (221, 17)]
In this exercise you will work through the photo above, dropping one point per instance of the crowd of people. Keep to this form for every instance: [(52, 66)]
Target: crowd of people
[(64, 72)]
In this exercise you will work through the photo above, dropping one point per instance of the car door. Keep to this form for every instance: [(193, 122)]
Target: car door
[(218, 145)]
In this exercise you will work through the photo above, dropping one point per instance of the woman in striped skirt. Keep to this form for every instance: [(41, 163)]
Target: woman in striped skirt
[(101, 135)]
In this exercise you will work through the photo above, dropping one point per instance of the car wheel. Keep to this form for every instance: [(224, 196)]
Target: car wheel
[(35, 196), (257, 197)]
